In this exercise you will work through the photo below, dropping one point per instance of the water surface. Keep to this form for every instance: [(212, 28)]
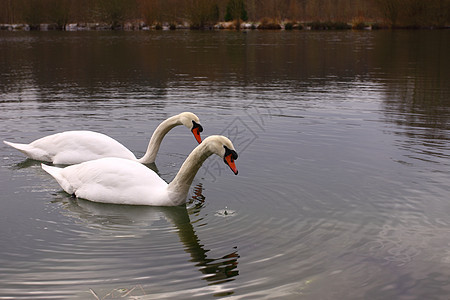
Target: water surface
[(344, 152)]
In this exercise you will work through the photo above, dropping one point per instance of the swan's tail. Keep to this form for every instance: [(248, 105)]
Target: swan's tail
[(24, 148), (30, 151), (54, 171), (57, 174)]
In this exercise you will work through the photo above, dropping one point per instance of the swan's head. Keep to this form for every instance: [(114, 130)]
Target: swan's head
[(192, 122), (224, 148)]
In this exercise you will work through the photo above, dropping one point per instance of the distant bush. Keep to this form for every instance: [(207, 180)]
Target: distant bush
[(358, 23), (340, 26), (317, 25), (289, 26), (267, 23), (358, 26), (328, 25), (376, 26)]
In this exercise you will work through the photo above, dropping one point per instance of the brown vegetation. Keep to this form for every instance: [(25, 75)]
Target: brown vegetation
[(207, 13), (414, 13)]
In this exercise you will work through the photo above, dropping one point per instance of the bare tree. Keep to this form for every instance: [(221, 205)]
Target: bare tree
[(203, 13), (115, 12), (58, 12), (390, 10)]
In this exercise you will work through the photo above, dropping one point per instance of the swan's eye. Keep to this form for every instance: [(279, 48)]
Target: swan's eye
[(228, 152), (196, 125)]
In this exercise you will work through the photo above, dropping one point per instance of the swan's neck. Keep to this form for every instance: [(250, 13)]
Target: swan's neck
[(157, 137), (179, 187)]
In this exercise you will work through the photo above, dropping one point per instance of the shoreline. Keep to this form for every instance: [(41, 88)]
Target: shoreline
[(141, 26)]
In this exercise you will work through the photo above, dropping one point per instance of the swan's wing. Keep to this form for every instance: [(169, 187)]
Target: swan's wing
[(112, 180), (71, 147)]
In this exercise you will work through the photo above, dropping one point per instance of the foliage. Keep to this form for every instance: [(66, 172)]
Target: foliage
[(59, 12), (415, 13), (205, 13), (288, 26), (390, 10), (328, 25), (268, 23), (358, 23), (236, 11), (34, 14), (115, 12), (160, 11)]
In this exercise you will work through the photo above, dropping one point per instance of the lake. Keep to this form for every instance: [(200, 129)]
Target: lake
[(344, 153)]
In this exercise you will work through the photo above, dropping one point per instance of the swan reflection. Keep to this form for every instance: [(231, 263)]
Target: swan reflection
[(26, 163), (139, 221)]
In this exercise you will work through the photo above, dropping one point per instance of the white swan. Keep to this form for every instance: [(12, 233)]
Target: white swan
[(72, 147), (123, 181)]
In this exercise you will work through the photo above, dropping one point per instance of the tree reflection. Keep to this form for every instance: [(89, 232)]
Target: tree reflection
[(416, 94)]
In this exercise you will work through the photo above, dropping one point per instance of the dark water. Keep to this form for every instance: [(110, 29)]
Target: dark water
[(344, 155)]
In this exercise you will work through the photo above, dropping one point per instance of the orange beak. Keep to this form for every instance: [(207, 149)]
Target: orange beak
[(196, 133), (230, 162)]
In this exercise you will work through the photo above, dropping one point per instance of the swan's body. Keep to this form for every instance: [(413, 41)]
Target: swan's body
[(123, 181), (72, 147)]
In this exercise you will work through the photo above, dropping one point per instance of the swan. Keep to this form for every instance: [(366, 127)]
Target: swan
[(123, 181), (72, 147)]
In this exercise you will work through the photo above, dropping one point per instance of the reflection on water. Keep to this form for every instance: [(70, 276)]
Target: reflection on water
[(344, 149), (131, 222), (26, 163)]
